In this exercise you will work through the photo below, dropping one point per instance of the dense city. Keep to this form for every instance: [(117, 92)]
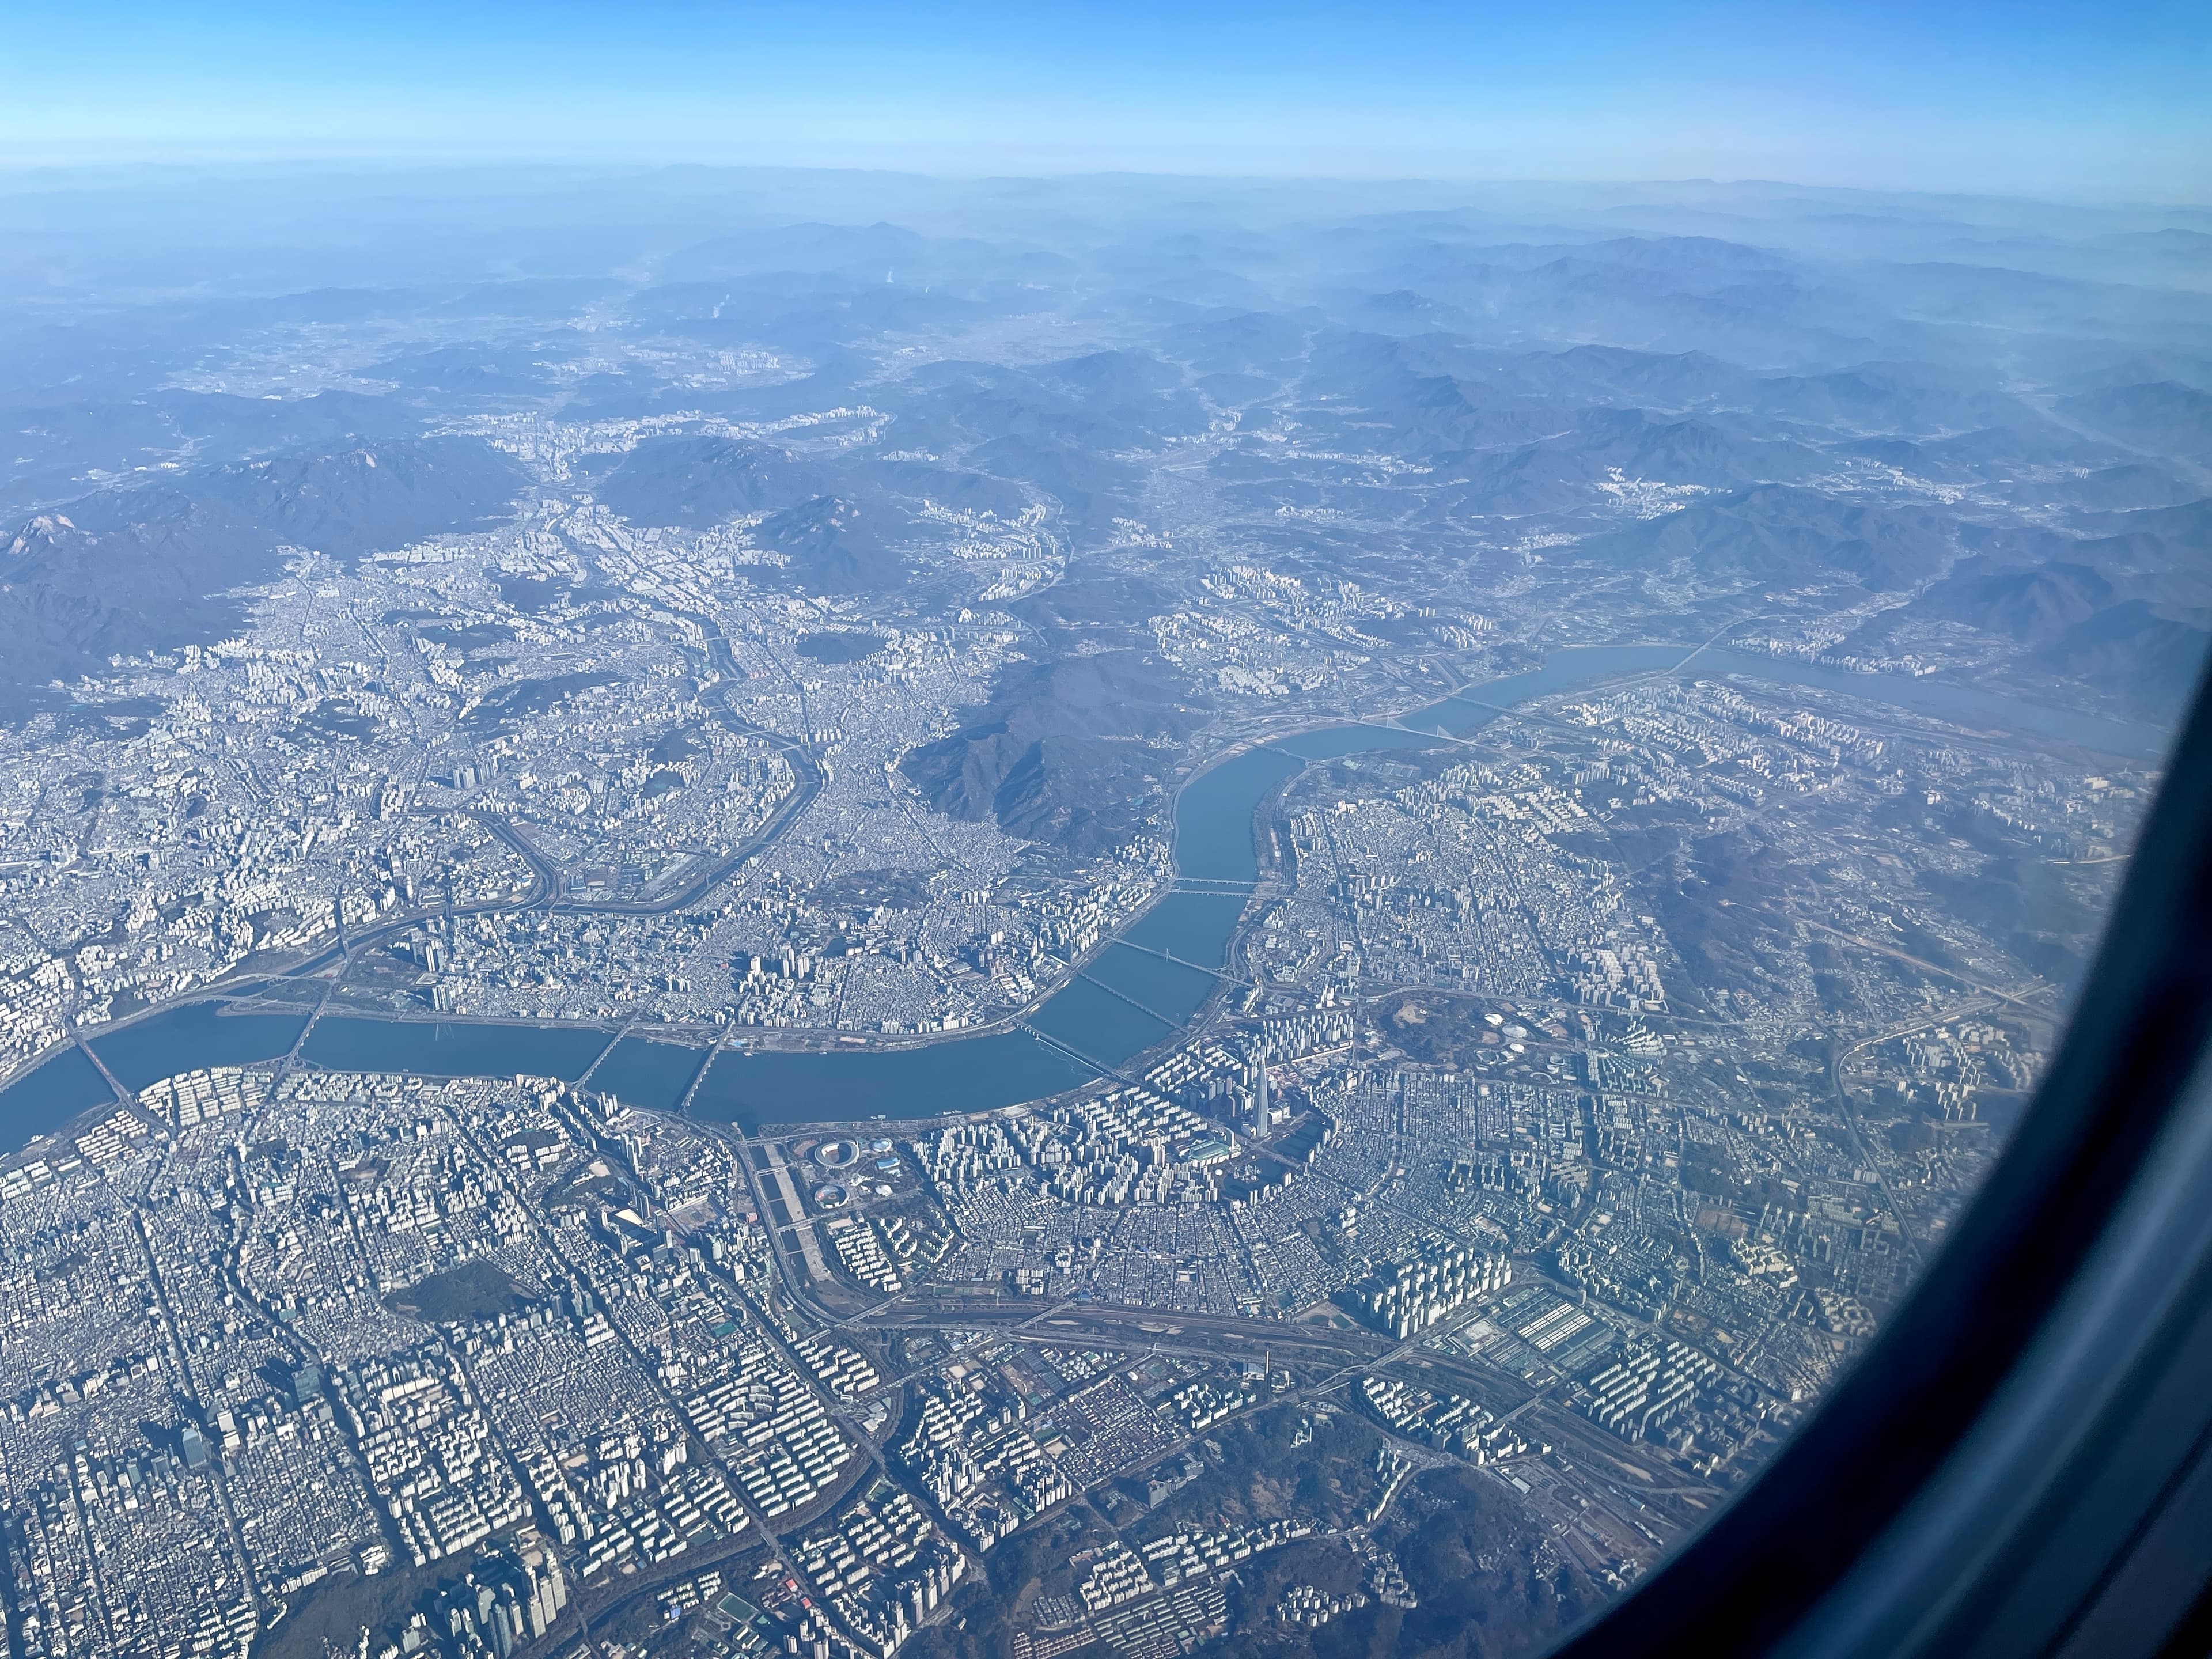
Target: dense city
[(1265, 943), (1478, 1177)]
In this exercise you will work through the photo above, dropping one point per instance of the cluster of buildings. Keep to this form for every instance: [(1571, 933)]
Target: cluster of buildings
[(1448, 1421), (1310, 1608), (1009, 1431), (985, 1476), (1272, 636), (1641, 1394), (1412, 1295), (862, 1251), (1200, 1404), (772, 1427), (1162, 1627), (1184, 1553), (506, 1599), (429, 1453), (882, 1566), (210, 1091)]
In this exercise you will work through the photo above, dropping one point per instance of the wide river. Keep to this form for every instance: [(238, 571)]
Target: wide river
[(1129, 998)]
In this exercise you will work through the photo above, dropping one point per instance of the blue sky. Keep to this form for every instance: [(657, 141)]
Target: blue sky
[(2076, 101)]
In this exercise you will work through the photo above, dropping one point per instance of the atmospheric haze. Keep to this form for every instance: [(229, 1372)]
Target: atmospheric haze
[(848, 911)]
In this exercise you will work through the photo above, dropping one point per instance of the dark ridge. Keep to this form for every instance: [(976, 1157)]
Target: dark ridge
[(835, 544), (699, 481), (152, 566)]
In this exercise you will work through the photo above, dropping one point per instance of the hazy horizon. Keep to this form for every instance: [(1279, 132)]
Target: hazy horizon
[(2052, 101), (61, 174)]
